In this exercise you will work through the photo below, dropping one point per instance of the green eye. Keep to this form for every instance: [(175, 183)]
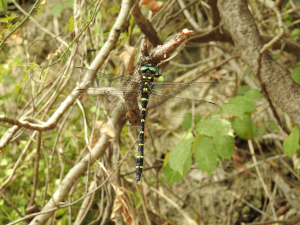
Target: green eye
[(153, 69), (144, 68)]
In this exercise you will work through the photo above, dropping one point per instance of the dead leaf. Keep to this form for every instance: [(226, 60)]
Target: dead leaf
[(121, 204), (127, 57), (153, 5), (106, 129), (15, 37)]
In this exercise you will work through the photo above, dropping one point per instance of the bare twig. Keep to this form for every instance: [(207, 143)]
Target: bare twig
[(36, 172)]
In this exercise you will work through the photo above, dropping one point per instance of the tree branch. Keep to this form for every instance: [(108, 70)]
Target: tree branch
[(279, 86)]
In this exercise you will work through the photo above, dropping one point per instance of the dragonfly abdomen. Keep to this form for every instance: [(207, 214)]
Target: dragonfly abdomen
[(140, 154)]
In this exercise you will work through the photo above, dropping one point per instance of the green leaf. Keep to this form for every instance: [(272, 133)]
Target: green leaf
[(296, 74), (273, 126), (260, 131), (57, 9), (66, 28), (253, 94), (7, 79), (206, 155), (187, 121), (287, 18), (295, 32), (224, 145), (276, 56), (137, 199), (39, 10), (16, 62), (8, 18), (16, 89), (243, 90), (243, 127), (70, 26), (173, 175), (290, 145), (238, 106), (181, 153), (211, 126), (70, 4), (166, 159)]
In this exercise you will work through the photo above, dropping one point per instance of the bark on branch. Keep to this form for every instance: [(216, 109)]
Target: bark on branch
[(278, 83)]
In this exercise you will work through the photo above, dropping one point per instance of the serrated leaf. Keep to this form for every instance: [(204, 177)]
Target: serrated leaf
[(181, 153), (290, 145), (57, 9), (211, 126), (238, 106), (243, 127), (206, 155), (173, 176), (296, 74), (253, 94), (224, 145)]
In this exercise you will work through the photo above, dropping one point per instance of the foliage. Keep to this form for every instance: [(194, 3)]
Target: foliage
[(173, 148), (296, 73)]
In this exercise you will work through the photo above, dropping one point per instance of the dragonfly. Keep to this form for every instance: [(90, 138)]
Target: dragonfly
[(139, 94)]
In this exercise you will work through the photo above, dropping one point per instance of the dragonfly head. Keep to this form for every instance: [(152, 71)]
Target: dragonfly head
[(148, 68)]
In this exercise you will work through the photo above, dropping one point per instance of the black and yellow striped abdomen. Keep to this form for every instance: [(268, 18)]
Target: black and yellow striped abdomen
[(140, 154)]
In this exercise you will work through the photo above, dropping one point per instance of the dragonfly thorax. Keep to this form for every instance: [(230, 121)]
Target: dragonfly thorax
[(148, 73)]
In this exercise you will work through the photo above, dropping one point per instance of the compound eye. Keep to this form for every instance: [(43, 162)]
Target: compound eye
[(153, 69), (144, 68)]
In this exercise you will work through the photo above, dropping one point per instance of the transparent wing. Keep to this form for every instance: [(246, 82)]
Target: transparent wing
[(100, 80), (178, 107), (185, 90)]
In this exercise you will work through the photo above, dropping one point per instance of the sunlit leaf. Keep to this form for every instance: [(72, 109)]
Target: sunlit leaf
[(212, 126), (238, 105), (181, 153), (224, 145), (173, 175), (206, 155), (39, 10), (243, 127)]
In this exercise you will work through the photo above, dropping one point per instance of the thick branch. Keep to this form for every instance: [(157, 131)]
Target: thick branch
[(145, 26), (100, 147), (215, 35), (277, 80)]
